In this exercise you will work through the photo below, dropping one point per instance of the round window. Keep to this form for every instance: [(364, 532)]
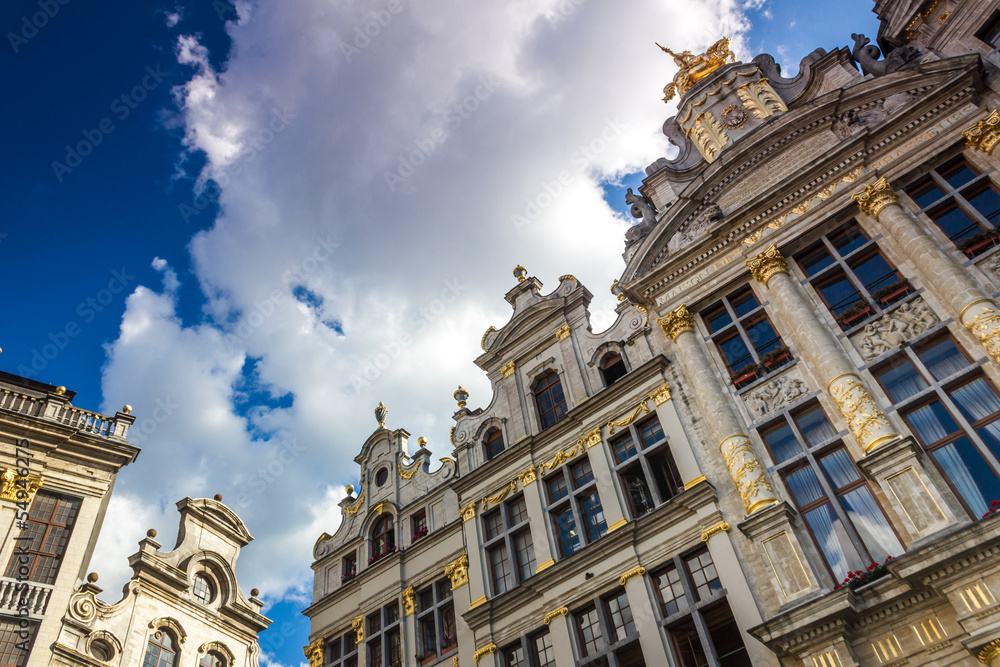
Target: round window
[(102, 650), (382, 476), (202, 588)]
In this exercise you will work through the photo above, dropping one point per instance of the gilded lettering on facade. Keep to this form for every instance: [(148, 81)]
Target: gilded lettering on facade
[(982, 319), (458, 572), (677, 321), (767, 264), (875, 197), (868, 424)]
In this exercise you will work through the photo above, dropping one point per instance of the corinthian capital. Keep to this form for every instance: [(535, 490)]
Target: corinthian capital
[(677, 322), (767, 264), (875, 197), (985, 134)]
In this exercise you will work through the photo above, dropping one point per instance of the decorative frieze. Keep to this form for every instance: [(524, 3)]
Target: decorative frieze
[(775, 395), (904, 323)]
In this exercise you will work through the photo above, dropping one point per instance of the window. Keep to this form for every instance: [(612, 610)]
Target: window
[(436, 631), (45, 536), (963, 202), (743, 334), (612, 368), (840, 511), (537, 645), (383, 538), (510, 553), (990, 32), (15, 642), (605, 629), (212, 659), (383, 637), (382, 476), (418, 525), (574, 501), (647, 472), (954, 411), (342, 651), (851, 276), (493, 444), (348, 567), (160, 651), (202, 589), (697, 616), (549, 399)]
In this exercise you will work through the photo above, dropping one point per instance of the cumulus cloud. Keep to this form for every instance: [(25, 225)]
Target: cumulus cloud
[(323, 289)]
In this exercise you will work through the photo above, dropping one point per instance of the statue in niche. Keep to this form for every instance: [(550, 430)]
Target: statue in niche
[(643, 210), (867, 57)]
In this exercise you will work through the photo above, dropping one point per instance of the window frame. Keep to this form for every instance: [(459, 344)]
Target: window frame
[(603, 367), (441, 604), (348, 567), (153, 641), (559, 408), (418, 523), (506, 540), (348, 650), (384, 634), (604, 649), (643, 454), (528, 643), (737, 328), (39, 557), (489, 440), (573, 499), (10, 637), (388, 533)]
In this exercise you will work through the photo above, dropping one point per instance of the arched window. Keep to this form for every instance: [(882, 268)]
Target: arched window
[(202, 588), (383, 537), (161, 651), (612, 368), (213, 659), (494, 443), (550, 399)]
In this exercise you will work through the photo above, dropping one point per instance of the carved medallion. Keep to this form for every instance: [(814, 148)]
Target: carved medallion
[(734, 116)]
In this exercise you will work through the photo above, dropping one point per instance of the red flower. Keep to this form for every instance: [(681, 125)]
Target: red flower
[(836, 587)]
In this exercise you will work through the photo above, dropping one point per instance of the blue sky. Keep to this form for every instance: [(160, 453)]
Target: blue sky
[(323, 283)]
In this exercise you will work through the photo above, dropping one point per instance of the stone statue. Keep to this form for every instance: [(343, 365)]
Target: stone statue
[(867, 57), (644, 211)]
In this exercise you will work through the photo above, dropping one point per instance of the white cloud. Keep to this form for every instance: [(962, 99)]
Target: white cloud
[(322, 284), (173, 18)]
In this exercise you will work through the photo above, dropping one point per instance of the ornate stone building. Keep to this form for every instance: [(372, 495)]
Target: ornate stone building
[(786, 450)]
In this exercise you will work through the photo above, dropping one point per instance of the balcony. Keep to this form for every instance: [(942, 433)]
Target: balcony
[(16, 595), (61, 412)]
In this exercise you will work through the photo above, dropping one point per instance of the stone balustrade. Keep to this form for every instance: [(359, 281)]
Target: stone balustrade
[(63, 413), (16, 595)]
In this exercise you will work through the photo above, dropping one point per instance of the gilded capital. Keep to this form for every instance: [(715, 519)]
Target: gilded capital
[(409, 602), (314, 652), (468, 512), (767, 264), (875, 197), (985, 134), (358, 625), (17, 488), (458, 572), (507, 369), (677, 321)]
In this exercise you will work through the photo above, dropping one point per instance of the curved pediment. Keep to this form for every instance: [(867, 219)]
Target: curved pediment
[(213, 514)]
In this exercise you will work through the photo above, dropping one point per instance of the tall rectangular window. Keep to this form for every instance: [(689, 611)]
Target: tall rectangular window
[(851, 276), (954, 411), (342, 651), (843, 516), (605, 632), (383, 640), (963, 202), (645, 467), (744, 336), (575, 507), (531, 650), (45, 535), (508, 545), (436, 632), (15, 642)]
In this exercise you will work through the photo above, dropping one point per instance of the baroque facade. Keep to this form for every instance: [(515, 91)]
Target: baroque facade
[(786, 450)]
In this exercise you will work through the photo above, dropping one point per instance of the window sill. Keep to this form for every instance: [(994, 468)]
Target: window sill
[(769, 375), (882, 312)]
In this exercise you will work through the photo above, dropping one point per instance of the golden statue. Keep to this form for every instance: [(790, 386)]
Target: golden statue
[(694, 68)]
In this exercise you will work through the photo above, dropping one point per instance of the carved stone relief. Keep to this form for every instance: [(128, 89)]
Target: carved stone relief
[(775, 395), (994, 265), (888, 332), (697, 228)]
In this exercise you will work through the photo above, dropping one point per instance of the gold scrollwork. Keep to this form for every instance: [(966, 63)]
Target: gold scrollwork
[(500, 495), (721, 527), (358, 625), (631, 574), (645, 314), (661, 395), (554, 614), (628, 420), (404, 473), (677, 321), (314, 652), (563, 332), (353, 509), (17, 488), (747, 473), (528, 476), (875, 197), (760, 98), (767, 264), (868, 424), (468, 512), (507, 369), (985, 326), (561, 457), (409, 602), (484, 651), (482, 343), (458, 571)]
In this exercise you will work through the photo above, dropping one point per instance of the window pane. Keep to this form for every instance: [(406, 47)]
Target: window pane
[(874, 272), (958, 174), (494, 524), (517, 510), (671, 590), (973, 478), (987, 202), (687, 646), (624, 448), (814, 425), (640, 499), (848, 239), (805, 486), (976, 400), (743, 303), (926, 194), (834, 541), (901, 379), (726, 637), (557, 487), (566, 534), (839, 293), (545, 654), (650, 432), (839, 469), (931, 422), (943, 358), (524, 550), (503, 578), (782, 442), (871, 524), (704, 578), (955, 223), (589, 631), (734, 351), (763, 336), (582, 474), (665, 474), (620, 616), (514, 657), (593, 516), (815, 261)]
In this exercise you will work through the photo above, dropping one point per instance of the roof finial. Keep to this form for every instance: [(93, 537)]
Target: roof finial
[(381, 412)]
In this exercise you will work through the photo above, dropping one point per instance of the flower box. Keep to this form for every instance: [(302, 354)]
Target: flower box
[(450, 642), (978, 243), (420, 533), (348, 577), (994, 509), (892, 293), (746, 375), (855, 315), (374, 558), (426, 658), (856, 580), (776, 358)]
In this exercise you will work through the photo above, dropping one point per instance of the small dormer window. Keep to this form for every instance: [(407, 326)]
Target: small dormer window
[(202, 588), (213, 659), (383, 538), (494, 443), (612, 368), (381, 477), (550, 399)]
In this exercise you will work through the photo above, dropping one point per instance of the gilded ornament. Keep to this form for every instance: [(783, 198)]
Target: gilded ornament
[(628, 420), (576, 282), (468, 512), (409, 602), (381, 412), (528, 476), (17, 488), (353, 509), (767, 264), (617, 524), (631, 574), (484, 651), (593, 438), (708, 135), (645, 314), (677, 321), (482, 343), (315, 653), (563, 332), (406, 474), (520, 273), (721, 527), (507, 369), (661, 395), (985, 325), (694, 68), (358, 625), (868, 424), (461, 396), (554, 614), (759, 97), (458, 572), (545, 565), (989, 652), (561, 457), (694, 482), (498, 497), (747, 473), (875, 197), (733, 117), (476, 603)]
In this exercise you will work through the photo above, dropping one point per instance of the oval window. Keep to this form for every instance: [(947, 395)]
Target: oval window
[(382, 476)]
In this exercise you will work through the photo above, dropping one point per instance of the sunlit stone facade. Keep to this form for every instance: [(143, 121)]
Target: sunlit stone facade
[(786, 449)]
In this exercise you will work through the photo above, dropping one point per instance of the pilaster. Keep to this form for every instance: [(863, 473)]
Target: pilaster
[(562, 640), (538, 521), (476, 564), (614, 512), (643, 602), (680, 446), (792, 573)]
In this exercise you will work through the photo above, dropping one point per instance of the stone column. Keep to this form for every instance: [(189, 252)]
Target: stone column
[(716, 407), (824, 354), (938, 270)]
